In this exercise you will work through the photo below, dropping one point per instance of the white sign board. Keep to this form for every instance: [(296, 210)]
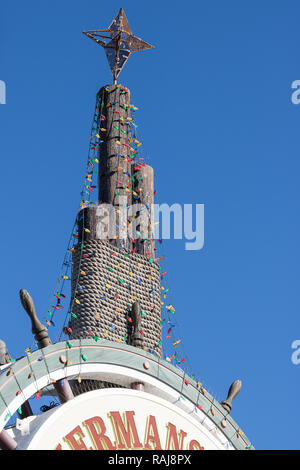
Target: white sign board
[(119, 419)]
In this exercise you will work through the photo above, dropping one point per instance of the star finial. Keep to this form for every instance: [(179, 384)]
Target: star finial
[(120, 43)]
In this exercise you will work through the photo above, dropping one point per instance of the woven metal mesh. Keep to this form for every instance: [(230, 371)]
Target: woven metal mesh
[(89, 385), (106, 282), (109, 283)]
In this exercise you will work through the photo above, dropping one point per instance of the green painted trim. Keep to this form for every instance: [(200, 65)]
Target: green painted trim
[(47, 360)]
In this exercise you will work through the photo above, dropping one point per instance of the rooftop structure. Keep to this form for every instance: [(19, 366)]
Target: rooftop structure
[(115, 388)]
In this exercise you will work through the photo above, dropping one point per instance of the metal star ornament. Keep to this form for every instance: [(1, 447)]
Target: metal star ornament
[(119, 43)]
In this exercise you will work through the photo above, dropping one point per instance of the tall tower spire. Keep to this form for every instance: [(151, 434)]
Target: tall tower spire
[(137, 399), (115, 278)]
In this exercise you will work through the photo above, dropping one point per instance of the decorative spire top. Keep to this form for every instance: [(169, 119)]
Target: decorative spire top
[(234, 389), (119, 44)]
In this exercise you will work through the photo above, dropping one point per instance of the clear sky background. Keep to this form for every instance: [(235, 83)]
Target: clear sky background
[(218, 125)]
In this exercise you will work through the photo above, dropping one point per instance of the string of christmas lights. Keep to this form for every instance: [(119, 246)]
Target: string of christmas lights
[(172, 344)]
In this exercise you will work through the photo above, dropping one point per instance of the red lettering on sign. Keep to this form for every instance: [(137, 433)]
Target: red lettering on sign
[(97, 429), (152, 434), (126, 433), (76, 444), (194, 445), (172, 438)]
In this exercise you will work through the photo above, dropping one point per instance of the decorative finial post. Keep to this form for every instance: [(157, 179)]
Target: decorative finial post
[(119, 43), (234, 389), (62, 388), (136, 336), (4, 356), (6, 441), (38, 329)]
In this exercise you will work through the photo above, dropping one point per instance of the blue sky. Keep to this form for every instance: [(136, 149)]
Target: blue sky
[(219, 127)]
